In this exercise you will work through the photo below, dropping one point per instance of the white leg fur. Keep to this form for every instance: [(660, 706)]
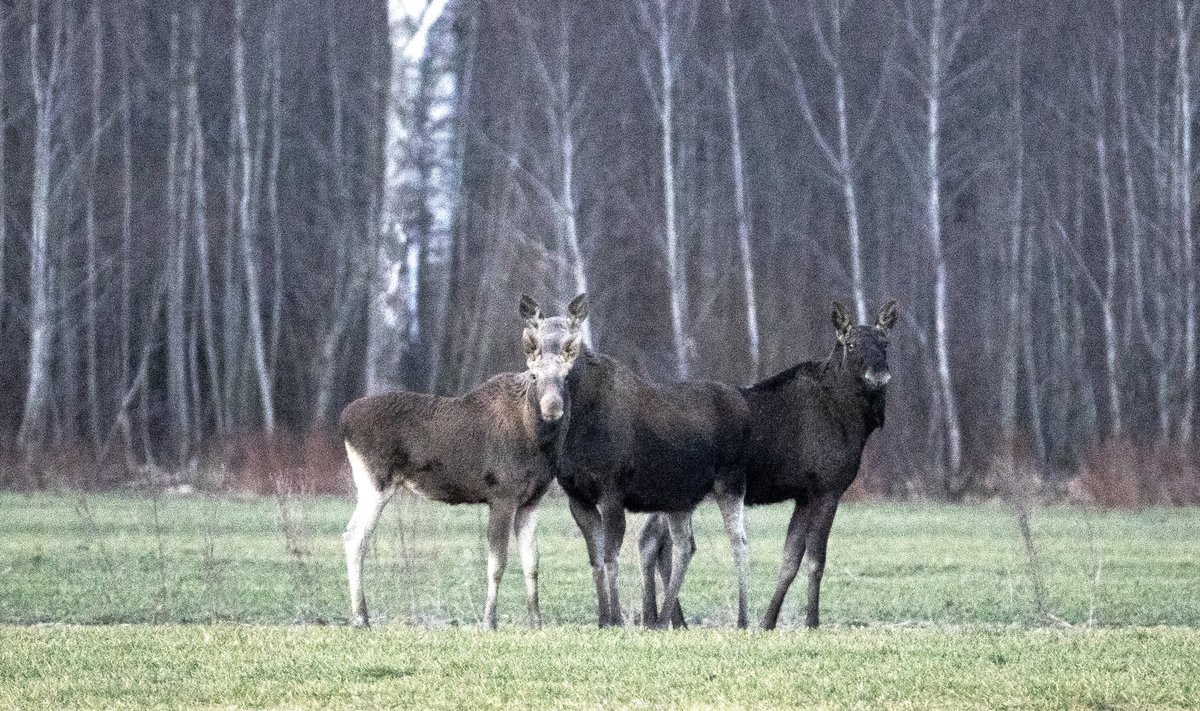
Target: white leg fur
[(500, 522), (357, 538), (525, 528), (733, 514)]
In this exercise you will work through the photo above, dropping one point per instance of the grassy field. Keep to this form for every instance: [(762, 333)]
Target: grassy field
[(923, 605)]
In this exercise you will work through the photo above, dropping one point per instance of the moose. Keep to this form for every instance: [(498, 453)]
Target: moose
[(495, 445), (808, 426), (644, 447)]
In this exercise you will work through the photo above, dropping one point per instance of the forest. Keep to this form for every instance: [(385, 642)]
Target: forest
[(222, 221)]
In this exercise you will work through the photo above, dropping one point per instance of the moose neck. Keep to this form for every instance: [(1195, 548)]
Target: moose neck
[(869, 403), (585, 371)]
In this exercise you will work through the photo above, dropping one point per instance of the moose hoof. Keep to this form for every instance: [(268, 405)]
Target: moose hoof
[(360, 621)]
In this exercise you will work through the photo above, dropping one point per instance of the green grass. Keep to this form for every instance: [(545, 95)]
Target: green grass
[(324, 667), (923, 605)]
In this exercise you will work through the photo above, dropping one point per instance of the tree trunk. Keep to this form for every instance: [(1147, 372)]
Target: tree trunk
[(658, 21), (1108, 297), (741, 213), (4, 16), (250, 264), (934, 222), (45, 85), (92, 277), (195, 128), (126, 306), (1010, 366), (1184, 181), (275, 43), (176, 267)]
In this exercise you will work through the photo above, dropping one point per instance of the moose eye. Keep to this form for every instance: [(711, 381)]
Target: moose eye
[(852, 347)]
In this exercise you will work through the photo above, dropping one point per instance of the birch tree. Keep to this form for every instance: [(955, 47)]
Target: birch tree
[(245, 225), (564, 99), (1010, 367), (176, 266), (937, 37), (1108, 294), (1184, 181), (92, 267), (397, 257), (47, 57), (666, 23), (741, 211), (841, 151)]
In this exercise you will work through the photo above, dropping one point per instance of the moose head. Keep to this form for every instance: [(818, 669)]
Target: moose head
[(863, 349), (551, 346)]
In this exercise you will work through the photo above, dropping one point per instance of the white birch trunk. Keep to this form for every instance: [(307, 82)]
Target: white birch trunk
[(657, 18), (934, 219), (395, 278), (741, 214), (1011, 360), (275, 43), (563, 99), (570, 217), (1108, 295), (92, 346), (840, 157), (1184, 182), (45, 86), (200, 227), (177, 394), (250, 265), (126, 307)]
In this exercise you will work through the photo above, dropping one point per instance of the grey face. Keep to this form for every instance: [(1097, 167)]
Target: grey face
[(551, 346), (864, 348)]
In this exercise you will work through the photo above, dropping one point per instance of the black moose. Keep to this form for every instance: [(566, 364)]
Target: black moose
[(808, 426)]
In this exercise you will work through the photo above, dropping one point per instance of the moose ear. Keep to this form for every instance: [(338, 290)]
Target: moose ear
[(571, 348), (888, 315), (529, 342), (577, 310), (530, 311), (842, 323)]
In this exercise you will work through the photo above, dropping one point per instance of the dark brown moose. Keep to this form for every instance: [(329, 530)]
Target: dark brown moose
[(495, 445), (808, 427), (639, 446)]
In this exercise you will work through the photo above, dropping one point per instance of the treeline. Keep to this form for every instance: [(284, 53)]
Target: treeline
[(228, 218)]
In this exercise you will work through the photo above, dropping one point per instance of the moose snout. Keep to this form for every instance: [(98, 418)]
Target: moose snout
[(552, 407), (877, 378)]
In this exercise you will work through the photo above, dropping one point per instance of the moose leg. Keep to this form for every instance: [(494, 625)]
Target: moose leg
[(661, 544), (591, 526), (793, 552), (818, 537), (733, 514), (614, 535), (650, 547), (357, 539), (680, 525), (500, 522), (525, 528)]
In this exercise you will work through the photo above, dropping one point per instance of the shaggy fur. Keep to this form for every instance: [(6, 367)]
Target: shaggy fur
[(638, 446), (496, 445), (808, 427)]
